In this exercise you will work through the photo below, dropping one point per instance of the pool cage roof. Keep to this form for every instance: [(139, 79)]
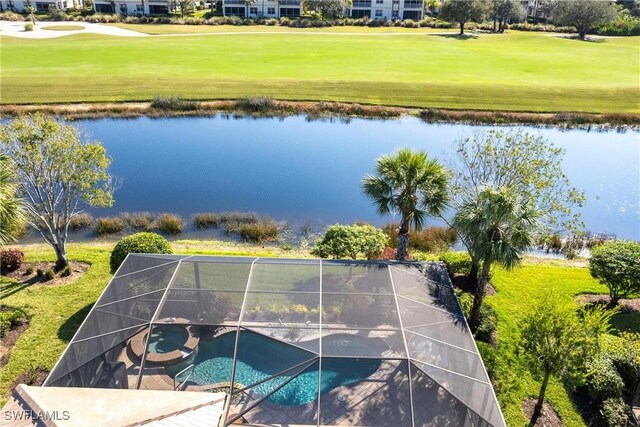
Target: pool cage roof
[(404, 315)]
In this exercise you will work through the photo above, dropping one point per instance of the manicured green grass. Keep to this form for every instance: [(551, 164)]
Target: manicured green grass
[(156, 29), (516, 292), (518, 71)]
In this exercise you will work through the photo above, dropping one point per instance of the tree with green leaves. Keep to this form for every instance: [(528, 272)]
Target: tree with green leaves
[(327, 9), (617, 265), (583, 14), (11, 213), (463, 11), (350, 241), (498, 225), (558, 339), (411, 184), (504, 11), (184, 6), (522, 163), (59, 172)]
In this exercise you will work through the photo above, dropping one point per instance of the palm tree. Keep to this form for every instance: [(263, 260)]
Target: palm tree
[(411, 184), (497, 226), (11, 215)]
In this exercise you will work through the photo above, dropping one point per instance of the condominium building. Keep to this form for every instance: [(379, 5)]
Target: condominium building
[(388, 9), (41, 5), (133, 7), (262, 8)]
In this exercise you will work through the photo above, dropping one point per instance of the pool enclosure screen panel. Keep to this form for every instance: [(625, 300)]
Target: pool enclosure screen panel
[(308, 342)]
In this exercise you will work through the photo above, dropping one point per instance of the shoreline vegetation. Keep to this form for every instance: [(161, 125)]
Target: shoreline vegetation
[(264, 107)]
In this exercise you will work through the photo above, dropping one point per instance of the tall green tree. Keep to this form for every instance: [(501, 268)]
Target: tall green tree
[(59, 172), (523, 163), (498, 225), (463, 11), (411, 184), (503, 11), (558, 339), (617, 265), (327, 9), (11, 213), (583, 14)]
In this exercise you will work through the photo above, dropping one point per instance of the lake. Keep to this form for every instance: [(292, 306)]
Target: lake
[(309, 172)]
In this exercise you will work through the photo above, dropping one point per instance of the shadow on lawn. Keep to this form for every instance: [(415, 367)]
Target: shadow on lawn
[(71, 325), (9, 288), (457, 36)]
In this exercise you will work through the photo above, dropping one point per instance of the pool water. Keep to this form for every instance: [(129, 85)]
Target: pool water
[(260, 357), (167, 338)]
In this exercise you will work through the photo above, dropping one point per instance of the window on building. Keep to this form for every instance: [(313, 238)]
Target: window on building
[(290, 12), (253, 10), (416, 15), (271, 10), (379, 1), (139, 8), (360, 13), (43, 7), (378, 14), (234, 11), (158, 10)]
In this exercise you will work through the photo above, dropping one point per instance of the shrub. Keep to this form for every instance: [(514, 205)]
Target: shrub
[(10, 16), (109, 225), (342, 241), (617, 265), (456, 262), (66, 272), (11, 259), (10, 318), (170, 223), (614, 412), (49, 275), (138, 220), (173, 103), (391, 229), (624, 353), (265, 230), (205, 220), (59, 15), (29, 271), (143, 243), (624, 25), (286, 246), (83, 220), (40, 273), (28, 26), (603, 381), (261, 104), (432, 239), (488, 322)]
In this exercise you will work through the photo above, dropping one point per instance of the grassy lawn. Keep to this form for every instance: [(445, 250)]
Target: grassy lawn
[(516, 72), (156, 29), (56, 312)]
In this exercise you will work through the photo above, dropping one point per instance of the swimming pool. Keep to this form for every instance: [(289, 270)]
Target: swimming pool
[(167, 338), (260, 357)]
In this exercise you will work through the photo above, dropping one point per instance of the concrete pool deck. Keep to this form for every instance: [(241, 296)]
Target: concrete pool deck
[(67, 407)]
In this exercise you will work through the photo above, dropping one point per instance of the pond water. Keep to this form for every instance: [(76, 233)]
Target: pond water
[(309, 172)]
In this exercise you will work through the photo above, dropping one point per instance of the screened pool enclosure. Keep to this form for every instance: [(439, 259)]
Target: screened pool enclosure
[(305, 342)]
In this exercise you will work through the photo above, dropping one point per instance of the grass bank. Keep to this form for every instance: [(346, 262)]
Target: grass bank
[(56, 312), (322, 109), (525, 72)]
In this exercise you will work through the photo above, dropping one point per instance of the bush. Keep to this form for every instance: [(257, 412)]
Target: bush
[(141, 221), (10, 16), (488, 322), (614, 412), (10, 318), (624, 353), (28, 26), (602, 380), (624, 25), (83, 220), (617, 265), (265, 230), (205, 220), (49, 275), (173, 103), (456, 262), (261, 104), (11, 259), (109, 225), (345, 241), (59, 15), (142, 243), (66, 272), (40, 273), (432, 239), (29, 271), (170, 223)]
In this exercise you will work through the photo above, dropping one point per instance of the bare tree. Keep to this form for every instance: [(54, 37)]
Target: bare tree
[(59, 172)]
